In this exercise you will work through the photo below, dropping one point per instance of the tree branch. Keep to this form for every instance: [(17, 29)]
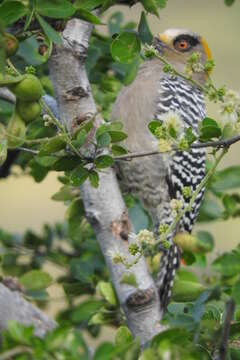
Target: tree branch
[(215, 144), (14, 307), (230, 307), (104, 206), (5, 94)]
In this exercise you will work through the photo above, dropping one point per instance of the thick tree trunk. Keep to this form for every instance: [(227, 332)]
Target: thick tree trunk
[(104, 206)]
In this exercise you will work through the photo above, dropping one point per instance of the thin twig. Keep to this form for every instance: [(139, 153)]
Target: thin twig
[(230, 307), (16, 351), (215, 144)]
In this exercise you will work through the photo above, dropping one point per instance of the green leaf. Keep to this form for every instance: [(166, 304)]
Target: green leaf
[(57, 9), (210, 210), (66, 163), (49, 31), (104, 352), (131, 72), (94, 178), (123, 336), (153, 125), (150, 6), (189, 136), (9, 80), (129, 279), (103, 161), (229, 2), (81, 138), (53, 145), (87, 4), (29, 52), (226, 179), (74, 216), (161, 3), (2, 50), (236, 293), (46, 161), (16, 131), (88, 16), (228, 264), (11, 11), (138, 216), (35, 280), (79, 175), (107, 291), (144, 31), (205, 241), (125, 47), (115, 22), (230, 203), (21, 334), (104, 139), (209, 129), (85, 310), (118, 150), (3, 149), (117, 136), (64, 194)]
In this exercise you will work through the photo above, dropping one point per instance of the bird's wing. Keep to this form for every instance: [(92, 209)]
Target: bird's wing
[(136, 106)]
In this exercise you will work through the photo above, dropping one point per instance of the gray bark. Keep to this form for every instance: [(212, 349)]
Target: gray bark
[(14, 307), (5, 94), (104, 206)]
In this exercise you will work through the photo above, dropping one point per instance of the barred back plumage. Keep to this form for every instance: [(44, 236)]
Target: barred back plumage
[(185, 169)]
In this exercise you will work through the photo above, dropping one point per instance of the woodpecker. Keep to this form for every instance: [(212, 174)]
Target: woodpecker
[(158, 179)]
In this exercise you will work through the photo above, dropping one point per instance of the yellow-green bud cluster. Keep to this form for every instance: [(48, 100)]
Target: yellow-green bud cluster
[(134, 249), (187, 192), (30, 70), (163, 228), (183, 145)]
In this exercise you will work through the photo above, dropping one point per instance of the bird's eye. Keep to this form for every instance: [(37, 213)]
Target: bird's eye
[(182, 45)]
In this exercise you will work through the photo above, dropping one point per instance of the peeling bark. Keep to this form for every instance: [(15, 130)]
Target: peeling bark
[(104, 206)]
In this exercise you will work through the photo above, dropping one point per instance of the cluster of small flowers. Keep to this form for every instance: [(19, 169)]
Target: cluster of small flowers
[(176, 206), (146, 237), (230, 109), (169, 131), (193, 64)]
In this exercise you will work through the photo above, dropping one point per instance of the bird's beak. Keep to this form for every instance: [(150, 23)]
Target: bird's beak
[(158, 44)]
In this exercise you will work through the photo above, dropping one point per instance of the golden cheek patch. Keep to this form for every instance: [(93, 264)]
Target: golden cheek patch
[(206, 48), (163, 38)]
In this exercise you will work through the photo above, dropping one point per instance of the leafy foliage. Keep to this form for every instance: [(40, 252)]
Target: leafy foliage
[(195, 316)]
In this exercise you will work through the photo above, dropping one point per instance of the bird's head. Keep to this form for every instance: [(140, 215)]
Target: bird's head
[(177, 46)]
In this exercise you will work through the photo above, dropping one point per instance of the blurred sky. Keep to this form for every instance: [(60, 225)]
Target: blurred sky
[(25, 204)]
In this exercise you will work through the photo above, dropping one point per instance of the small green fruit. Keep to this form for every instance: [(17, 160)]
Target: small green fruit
[(11, 44), (16, 131), (186, 290), (29, 89), (28, 110), (47, 85)]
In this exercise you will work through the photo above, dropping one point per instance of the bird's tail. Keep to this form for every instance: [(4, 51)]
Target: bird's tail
[(169, 263)]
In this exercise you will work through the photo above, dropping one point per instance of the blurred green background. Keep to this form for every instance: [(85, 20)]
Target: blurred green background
[(25, 204)]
